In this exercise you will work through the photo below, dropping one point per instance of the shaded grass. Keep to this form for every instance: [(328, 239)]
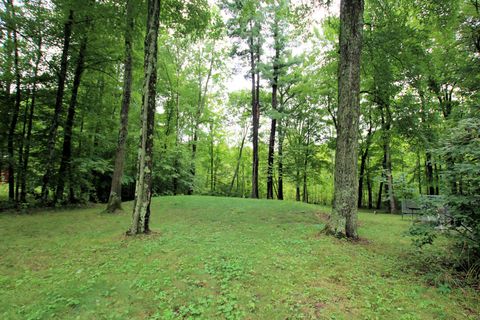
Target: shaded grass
[(214, 258)]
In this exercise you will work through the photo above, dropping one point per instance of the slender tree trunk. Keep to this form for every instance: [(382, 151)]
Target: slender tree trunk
[(255, 117), (26, 157), (297, 185), (115, 198), (52, 135), (379, 196), (419, 173), (273, 126), (64, 173), (305, 164), (343, 219), (200, 108), (212, 186), (143, 189), (363, 163), (239, 159), (20, 173), (370, 189), (437, 181), (16, 110), (429, 173), (281, 138)]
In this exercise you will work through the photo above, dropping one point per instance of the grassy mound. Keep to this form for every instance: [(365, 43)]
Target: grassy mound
[(214, 258)]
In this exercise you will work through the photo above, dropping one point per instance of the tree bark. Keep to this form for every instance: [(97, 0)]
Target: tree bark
[(26, 157), (363, 163), (16, 110), (64, 172), (343, 220), (52, 135), (255, 115), (143, 189), (239, 159), (281, 138), (273, 125), (115, 198), (429, 173)]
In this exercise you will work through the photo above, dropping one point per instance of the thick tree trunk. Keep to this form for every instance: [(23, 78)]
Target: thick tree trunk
[(16, 110), (115, 198), (64, 173), (143, 189), (52, 135), (343, 220)]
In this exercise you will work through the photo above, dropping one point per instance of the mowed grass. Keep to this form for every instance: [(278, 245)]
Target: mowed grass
[(214, 258)]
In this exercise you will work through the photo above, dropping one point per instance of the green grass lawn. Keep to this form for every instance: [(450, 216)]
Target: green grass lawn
[(215, 258)]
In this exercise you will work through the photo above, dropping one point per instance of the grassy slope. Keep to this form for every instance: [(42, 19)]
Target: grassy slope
[(214, 258)]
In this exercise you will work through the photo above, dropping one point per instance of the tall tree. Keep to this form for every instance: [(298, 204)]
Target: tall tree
[(143, 189), (52, 134), (115, 199), (343, 219), (64, 172), (16, 106)]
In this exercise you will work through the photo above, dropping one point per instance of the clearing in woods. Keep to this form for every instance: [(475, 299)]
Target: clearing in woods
[(217, 258)]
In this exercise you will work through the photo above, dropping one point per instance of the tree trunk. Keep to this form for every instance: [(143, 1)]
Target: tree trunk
[(388, 161), (305, 165), (429, 173), (239, 159), (370, 189), (202, 95), (255, 117), (20, 173), (52, 135), (23, 182), (281, 138), (297, 185), (212, 187), (143, 189), (273, 126), (419, 173), (115, 198), (343, 220), (16, 110), (379, 196), (64, 173), (363, 166)]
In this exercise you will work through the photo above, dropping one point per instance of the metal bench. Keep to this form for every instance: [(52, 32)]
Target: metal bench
[(410, 206)]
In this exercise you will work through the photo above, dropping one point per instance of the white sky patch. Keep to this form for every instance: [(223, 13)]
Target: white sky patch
[(239, 78)]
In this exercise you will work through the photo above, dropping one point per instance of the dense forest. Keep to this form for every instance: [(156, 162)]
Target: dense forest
[(116, 100)]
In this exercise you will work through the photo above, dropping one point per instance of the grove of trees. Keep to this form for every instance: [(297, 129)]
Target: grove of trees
[(117, 100)]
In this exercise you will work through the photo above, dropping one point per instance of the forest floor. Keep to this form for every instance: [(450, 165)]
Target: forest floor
[(216, 258)]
